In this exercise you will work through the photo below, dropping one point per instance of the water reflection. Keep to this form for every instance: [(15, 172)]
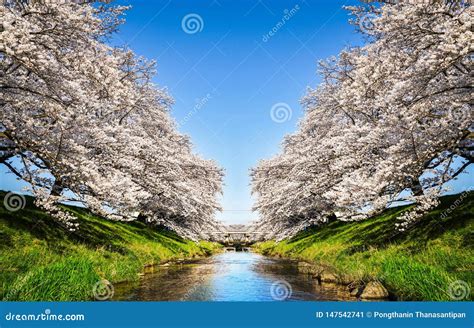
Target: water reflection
[(231, 276)]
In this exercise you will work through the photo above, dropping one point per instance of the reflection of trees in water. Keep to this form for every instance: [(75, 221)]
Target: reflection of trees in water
[(168, 283), (277, 269), (196, 281)]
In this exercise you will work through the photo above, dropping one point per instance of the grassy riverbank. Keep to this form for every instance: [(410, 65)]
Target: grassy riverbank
[(419, 264), (39, 260)]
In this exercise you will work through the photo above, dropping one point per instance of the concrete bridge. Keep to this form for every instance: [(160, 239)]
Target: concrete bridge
[(236, 236)]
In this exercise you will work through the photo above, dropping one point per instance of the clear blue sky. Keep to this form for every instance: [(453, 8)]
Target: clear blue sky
[(244, 75)]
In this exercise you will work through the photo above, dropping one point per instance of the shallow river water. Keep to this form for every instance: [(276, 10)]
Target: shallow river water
[(230, 276)]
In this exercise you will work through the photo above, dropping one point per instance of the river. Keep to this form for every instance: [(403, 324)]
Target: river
[(230, 276)]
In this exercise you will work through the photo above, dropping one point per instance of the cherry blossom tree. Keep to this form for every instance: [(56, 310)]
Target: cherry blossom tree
[(391, 116), (82, 121)]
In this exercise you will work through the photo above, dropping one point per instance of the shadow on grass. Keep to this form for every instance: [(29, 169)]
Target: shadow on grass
[(380, 231), (94, 232)]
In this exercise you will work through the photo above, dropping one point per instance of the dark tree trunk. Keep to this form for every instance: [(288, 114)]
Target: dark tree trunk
[(417, 189), (332, 218), (142, 218)]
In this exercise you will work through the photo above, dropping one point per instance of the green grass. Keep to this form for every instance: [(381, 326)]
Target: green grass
[(418, 264), (39, 260)]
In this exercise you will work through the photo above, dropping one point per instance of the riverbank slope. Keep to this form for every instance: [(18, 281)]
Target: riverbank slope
[(42, 261), (430, 261)]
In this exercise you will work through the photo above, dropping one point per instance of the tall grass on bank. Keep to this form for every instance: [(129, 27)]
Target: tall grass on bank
[(419, 264), (41, 261)]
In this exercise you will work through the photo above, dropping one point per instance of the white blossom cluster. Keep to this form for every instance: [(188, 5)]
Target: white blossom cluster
[(82, 118), (392, 116)]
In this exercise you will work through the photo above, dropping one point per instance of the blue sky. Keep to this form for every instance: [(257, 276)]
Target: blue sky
[(226, 77), (244, 76)]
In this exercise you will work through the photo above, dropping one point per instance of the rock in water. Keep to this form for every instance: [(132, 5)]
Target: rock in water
[(328, 277), (374, 290), (355, 292)]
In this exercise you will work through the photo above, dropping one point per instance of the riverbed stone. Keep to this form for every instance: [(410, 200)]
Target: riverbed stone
[(328, 277), (309, 269), (355, 288), (345, 279), (357, 291), (304, 267), (374, 290)]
